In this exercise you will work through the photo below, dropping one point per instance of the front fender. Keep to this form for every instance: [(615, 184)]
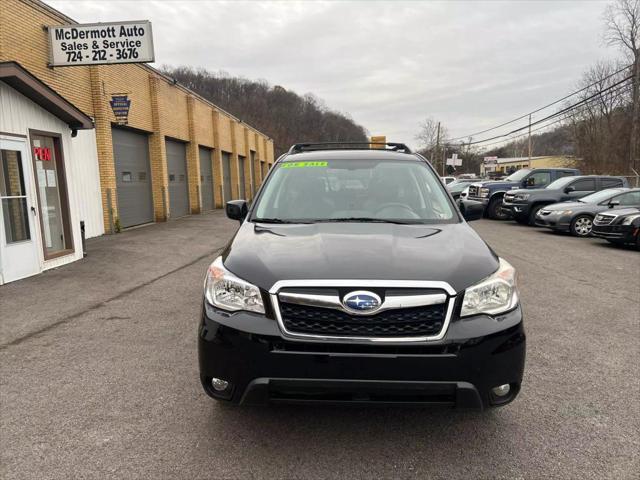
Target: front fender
[(499, 193)]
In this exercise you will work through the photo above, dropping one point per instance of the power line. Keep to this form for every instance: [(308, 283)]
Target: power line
[(542, 108), (564, 118), (553, 115)]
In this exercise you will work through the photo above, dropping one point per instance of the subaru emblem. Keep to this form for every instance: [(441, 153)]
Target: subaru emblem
[(361, 302)]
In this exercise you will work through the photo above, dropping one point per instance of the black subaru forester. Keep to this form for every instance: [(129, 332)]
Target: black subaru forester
[(353, 278)]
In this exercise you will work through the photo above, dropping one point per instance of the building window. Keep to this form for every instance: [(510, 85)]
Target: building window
[(14, 197), (126, 177), (53, 203)]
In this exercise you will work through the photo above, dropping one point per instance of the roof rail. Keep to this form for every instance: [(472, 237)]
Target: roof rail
[(311, 147)]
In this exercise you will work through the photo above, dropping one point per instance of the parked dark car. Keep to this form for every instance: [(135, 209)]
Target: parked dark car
[(457, 187), (487, 196), (377, 294), (577, 217), (523, 205), (619, 226)]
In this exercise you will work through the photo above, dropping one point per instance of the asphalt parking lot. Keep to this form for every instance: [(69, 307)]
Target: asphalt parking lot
[(99, 376)]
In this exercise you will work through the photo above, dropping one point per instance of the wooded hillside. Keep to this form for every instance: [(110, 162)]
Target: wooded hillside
[(279, 113)]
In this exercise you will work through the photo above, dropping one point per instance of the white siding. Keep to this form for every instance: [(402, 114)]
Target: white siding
[(18, 114)]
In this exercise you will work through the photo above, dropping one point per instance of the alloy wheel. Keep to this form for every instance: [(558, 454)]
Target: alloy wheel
[(582, 226)]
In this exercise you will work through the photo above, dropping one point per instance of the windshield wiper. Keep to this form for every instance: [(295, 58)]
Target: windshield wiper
[(277, 220), (369, 220)]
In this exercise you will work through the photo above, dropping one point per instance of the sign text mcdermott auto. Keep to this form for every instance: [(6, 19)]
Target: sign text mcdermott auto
[(101, 43)]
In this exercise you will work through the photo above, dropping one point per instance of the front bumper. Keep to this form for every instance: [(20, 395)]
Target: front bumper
[(617, 233), (476, 354), (554, 221), (472, 205), (516, 210)]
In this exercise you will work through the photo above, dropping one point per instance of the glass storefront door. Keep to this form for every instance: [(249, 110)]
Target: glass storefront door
[(19, 256), (52, 194)]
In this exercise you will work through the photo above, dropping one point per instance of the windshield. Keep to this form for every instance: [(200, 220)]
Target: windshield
[(600, 196), (519, 175), (354, 190), (560, 183)]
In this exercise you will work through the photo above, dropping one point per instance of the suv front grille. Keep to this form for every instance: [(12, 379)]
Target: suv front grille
[(473, 191), (404, 322)]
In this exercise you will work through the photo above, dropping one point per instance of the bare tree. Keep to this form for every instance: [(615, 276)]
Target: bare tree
[(623, 31), (431, 137), (600, 127), (428, 134)]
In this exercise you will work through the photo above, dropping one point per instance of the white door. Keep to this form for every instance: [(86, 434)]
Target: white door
[(19, 254)]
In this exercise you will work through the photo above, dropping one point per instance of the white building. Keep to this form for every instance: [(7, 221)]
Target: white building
[(49, 178)]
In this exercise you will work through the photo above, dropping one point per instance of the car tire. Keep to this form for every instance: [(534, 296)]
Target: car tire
[(495, 209), (532, 215), (581, 226)]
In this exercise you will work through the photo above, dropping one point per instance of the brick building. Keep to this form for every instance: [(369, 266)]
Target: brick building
[(178, 154)]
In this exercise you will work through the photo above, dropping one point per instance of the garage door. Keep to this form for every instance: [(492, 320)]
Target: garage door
[(133, 177), (206, 179), (177, 172), (241, 177), (226, 176)]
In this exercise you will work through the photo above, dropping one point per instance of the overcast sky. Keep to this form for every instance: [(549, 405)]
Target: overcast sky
[(388, 64)]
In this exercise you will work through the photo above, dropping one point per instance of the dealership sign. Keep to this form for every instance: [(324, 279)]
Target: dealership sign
[(101, 43)]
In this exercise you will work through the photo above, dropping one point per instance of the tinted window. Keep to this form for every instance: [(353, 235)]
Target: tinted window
[(629, 199), (354, 189), (517, 176), (610, 182), (560, 183), (586, 185), (539, 179), (565, 173)]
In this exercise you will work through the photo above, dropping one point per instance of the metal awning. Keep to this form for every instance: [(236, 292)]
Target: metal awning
[(13, 74)]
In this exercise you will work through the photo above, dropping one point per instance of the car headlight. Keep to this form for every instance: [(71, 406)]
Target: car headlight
[(522, 196), (228, 292), (484, 192), (629, 220), (494, 295)]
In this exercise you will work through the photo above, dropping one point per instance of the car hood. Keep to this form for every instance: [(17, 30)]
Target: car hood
[(622, 211), (454, 253), (496, 184), (576, 207)]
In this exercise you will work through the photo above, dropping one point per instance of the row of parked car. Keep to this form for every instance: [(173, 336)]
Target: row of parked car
[(560, 199)]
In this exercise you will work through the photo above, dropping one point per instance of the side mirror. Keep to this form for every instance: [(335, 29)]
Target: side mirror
[(471, 211), (525, 183), (569, 189), (614, 203), (237, 209)]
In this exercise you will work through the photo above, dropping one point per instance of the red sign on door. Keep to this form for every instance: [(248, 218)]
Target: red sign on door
[(42, 153)]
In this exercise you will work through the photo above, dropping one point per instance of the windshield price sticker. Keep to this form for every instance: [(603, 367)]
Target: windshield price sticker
[(101, 43), (304, 164)]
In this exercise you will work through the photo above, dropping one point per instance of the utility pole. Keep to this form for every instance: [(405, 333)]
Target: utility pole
[(437, 155), (444, 160), (529, 140), (634, 139)]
